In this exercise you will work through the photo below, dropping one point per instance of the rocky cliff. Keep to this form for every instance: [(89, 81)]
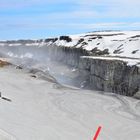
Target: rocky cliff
[(111, 75), (111, 62)]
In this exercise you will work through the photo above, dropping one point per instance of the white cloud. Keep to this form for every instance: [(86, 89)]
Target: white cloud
[(86, 10), (102, 9), (91, 8), (109, 25)]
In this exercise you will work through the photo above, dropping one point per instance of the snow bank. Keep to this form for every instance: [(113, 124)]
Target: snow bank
[(118, 43), (5, 136)]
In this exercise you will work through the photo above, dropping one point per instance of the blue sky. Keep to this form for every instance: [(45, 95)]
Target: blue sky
[(21, 19)]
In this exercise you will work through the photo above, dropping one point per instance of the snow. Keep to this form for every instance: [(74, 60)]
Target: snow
[(2, 44), (111, 40), (118, 43), (41, 110), (65, 43), (129, 61), (27, 55), (32, 44), (15, 44), (5, 136)]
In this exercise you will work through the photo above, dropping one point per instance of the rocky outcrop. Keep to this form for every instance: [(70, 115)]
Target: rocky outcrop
[(111, 75), (70, 56), (101, 74)]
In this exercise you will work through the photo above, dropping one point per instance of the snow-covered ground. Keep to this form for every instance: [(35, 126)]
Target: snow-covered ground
[(43, 110), (106, 43), (118, 43)]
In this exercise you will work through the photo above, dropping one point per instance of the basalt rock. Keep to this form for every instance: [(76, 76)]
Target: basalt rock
[(102, 74), (111, 75)]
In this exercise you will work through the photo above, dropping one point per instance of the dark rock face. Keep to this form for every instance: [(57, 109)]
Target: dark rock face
[(51, 39), (104, 75), (66, 55), (66, 38), (111, 76), (97, 52)]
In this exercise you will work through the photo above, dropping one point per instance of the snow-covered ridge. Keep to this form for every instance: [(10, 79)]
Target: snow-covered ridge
[(121, 43), (106, 43)]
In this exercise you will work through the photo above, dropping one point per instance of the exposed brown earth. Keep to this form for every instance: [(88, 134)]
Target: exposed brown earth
[(4, 63)]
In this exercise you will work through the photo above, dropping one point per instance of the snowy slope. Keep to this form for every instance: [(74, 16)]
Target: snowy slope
[(118, 43)]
